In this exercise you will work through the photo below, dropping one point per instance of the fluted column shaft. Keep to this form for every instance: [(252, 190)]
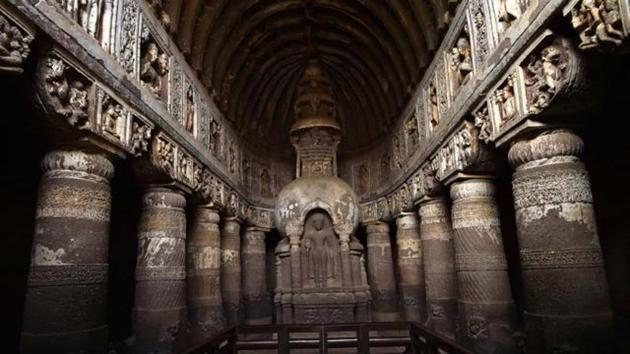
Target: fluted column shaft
[(231, 271), (566, 295), (255, 295), (160, 304), (485, 306), (65, 307), (439, 266), (381, 273), (410, 266), (203, 262)]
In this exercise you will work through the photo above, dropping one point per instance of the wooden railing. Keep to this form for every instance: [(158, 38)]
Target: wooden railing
[(413, 337)]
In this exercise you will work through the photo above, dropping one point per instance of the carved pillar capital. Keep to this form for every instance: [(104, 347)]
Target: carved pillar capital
[(477, 187), (407, 221), (547, 147), (377, 227), (77, 162)]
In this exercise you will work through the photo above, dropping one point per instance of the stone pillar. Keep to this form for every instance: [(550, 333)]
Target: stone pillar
[(65, 306), (205, 304), (346, 267), (231, 271), (485, 306), (566, 295), (439, 266), (381, 273), (410, 266), (160, 307), (255, 295)]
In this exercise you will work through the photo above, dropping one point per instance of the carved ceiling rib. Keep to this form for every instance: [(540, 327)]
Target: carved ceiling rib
[(375, 52)]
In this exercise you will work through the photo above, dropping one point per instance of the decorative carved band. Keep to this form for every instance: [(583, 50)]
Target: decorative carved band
[(465, 262), (567, 258), (160, 273), (68, 274)]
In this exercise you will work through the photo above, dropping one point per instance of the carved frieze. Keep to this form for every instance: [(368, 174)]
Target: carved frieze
[(112, 118), (67, 91), (544, 73), (479, 30), (459, 153), (140, 136), (128, 43), (158, 8), (176, 94), (601, 24), (15, 42), (164, 153)]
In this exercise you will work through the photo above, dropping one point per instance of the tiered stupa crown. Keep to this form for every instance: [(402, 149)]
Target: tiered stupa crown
[(316, 133)]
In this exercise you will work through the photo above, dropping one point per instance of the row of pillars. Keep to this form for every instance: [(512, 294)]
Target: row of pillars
[(453, 270), (188, 282)]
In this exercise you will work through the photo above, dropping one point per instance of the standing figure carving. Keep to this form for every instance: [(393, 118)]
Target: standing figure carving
[(320, 249)]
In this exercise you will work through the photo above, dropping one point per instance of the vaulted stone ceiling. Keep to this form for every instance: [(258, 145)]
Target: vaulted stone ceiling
[(251, 54)]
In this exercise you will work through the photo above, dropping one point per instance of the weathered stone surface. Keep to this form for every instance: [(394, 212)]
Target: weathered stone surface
[(410, 267), (381, 273), (255, 296), (203, 270), (439, 266), (231, 271), (65, 308), (160, 304), (485, 306), (566, 295)]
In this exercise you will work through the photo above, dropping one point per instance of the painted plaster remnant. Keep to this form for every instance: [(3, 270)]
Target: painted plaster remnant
[(44, 256), (228, 256), (204, 258), (154, 249), (571, 212)]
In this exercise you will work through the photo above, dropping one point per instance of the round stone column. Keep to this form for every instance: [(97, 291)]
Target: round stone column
[(381, 273), (485, 305), (566, 294), (160, 307), (439, 266), (65, 306), (205, 304), (231, 271), (412, 291), (255, 296)]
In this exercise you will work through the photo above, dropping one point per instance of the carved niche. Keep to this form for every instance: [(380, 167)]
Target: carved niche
[(460, 61), (216, 134), (154, 67), (190, 112), (265, 183), (320, 252), (432, 107), (14, 46), (160, 13), (508, 11)]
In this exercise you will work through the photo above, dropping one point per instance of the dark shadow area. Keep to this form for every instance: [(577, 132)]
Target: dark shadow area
[(607, 158), (126, 208), (22, 146)]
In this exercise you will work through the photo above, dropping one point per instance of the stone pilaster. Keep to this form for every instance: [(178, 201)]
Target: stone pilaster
[(231, 271), (566, 295), (160, 306), (485, 305), (439, 266), (205, 304), (381, 273), (412, 291), (65, 306), (255, 295)]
